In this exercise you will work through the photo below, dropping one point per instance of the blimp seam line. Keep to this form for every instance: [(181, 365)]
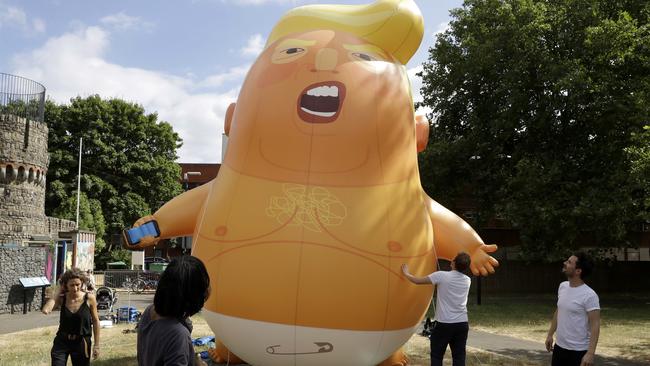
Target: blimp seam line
[(365, 251), (304, 243), (255, 237)]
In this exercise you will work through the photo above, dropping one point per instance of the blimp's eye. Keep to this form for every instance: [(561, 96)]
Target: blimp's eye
[(294, 50), (288, 55), (363, 56)]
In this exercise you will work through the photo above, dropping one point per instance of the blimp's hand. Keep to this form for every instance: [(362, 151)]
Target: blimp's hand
[(145, 232), (483, 263), (143, 220)]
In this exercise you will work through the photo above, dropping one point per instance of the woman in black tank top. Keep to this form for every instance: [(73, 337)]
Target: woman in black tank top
[(78, 321)]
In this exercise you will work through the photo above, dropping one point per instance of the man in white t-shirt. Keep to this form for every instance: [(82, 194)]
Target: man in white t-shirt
[(577, 318), (450, 326)]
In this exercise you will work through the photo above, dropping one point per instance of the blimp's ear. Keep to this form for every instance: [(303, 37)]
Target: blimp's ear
[(228, 120), (421, 132)]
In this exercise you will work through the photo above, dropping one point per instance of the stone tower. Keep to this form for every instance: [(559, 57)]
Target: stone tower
[(23, 162)]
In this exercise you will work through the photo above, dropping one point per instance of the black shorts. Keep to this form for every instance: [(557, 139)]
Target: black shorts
[(566, 357), (78, 349)]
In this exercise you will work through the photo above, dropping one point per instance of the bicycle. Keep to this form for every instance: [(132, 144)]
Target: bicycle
[(129, 284), (141, 284)]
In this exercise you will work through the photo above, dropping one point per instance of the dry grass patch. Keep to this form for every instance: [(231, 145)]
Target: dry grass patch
[(417, 349), (32, 348), (625, 320)]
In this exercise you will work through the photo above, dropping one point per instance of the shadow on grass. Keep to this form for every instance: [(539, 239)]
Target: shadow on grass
[(640, 351), (122, 361), (542, 357)]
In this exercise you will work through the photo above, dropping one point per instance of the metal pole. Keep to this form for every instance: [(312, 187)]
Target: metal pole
[(79, 182), (478, 290)]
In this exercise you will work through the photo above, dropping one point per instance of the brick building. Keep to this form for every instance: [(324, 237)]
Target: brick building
[(31, 243)]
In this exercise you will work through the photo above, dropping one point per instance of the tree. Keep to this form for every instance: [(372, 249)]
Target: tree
[(128, 163), (640, 157), (90, 216), (535, 105)]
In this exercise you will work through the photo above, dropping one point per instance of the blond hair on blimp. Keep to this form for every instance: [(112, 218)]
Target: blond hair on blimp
[(395, 26)]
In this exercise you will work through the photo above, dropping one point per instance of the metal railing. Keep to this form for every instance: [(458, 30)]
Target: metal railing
[(127, 280), (22, 97)]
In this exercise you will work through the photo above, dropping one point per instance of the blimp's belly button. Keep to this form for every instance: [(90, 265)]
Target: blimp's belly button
[(221, 230), (394, 246)]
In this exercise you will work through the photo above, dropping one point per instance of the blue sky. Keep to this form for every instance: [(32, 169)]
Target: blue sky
[(184, 60)]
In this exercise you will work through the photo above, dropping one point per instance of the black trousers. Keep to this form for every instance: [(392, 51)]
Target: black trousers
[(452, 334), (78, 349), (566, 357)]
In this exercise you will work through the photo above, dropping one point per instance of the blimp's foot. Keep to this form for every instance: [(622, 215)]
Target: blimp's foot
[(221, 354), (396, 359)]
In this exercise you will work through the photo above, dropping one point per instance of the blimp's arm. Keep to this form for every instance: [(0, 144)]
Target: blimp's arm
[(452, 235), (175, 218)]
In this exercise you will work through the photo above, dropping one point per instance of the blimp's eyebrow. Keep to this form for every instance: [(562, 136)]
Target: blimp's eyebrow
[(294, 42), (366, 48)]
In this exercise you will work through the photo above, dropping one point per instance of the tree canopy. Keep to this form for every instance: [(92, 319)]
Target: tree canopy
[(128, 165), (91, 216), (538, 110)]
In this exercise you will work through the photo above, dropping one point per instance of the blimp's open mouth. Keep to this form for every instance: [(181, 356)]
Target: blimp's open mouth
[(321, 102)]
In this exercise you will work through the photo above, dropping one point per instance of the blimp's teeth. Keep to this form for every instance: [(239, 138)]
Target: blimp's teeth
[(324, 91), (319, 114)]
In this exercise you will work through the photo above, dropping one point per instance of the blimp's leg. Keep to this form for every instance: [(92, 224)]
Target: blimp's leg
[(222, 354), (398, 358)]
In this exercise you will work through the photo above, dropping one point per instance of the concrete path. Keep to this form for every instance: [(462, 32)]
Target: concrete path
[(535, 351), (10, 323)]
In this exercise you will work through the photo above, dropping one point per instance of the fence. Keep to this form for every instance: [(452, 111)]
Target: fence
[(125, 279), (22, 97), (511, 277)]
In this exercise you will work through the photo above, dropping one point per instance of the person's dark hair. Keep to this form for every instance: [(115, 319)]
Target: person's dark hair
[(462, 261), (71, 274), (183, 288), (585, 263)]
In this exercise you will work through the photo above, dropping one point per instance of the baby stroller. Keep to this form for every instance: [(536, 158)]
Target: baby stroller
[(106, 299)]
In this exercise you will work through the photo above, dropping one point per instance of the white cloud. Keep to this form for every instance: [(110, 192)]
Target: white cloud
[(254, 47), (74, 64), (442, 27), (122, 22), (13, 17), (217, 80), (10, 15), (416, 85), (39, 25), (260, 2), (416, 82)]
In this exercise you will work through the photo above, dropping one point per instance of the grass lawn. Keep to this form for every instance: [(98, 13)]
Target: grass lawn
[(625, 321), (624, 333), (32, 348)]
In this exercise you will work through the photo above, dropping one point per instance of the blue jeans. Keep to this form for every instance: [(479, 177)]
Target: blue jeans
[(452, 334)]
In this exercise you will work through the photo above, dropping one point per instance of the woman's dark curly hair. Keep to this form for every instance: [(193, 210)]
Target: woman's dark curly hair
[(71, 274), (183, 288)]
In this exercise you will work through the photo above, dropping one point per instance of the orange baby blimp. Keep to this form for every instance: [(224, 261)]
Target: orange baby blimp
[(318, 201)]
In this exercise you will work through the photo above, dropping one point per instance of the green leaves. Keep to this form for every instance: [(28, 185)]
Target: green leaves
[(128, 164), (90, 216), (536, 105)]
